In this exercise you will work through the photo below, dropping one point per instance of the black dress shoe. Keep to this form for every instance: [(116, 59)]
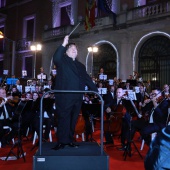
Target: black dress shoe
[(73, 145), (59, 146)]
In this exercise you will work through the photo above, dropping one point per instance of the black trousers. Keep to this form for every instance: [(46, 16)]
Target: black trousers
[(67, 119)]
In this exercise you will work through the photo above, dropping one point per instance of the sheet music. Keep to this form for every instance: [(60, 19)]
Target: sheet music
[(111, 81), (41, 76), (46, 86), (29, 89), (54, 72), (132, 95), (102, 90), (11, 81), (24, 72), (5, 72), (102, 77)]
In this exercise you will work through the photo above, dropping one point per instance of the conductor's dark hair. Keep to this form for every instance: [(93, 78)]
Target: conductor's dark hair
[(69, 45)]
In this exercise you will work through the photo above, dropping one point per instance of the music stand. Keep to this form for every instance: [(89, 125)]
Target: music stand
[(11, 81), (5, 72), (102, 77), (111, 81), (54, 72), (41, 76), (102, 90), (130, 107), (24, 73), (18, 143)]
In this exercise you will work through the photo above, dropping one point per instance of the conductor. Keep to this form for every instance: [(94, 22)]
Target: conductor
[(71, 75)]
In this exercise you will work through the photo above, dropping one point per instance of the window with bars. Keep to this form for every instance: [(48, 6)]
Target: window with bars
[(154, 60)]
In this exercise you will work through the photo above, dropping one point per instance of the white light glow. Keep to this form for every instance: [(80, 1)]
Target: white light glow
[(36, 47), (92, 49)]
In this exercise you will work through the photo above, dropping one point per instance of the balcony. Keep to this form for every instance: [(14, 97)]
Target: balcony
[(128, 18), (23, 45)]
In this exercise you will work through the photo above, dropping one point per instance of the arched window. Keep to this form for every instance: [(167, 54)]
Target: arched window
[(105, 58), (154, 60)]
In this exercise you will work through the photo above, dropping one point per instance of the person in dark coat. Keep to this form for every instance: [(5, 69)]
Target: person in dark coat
[(71, 75), (157, 156)]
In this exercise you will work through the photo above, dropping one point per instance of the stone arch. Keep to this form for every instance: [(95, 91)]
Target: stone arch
[(140, 43), (89, 60), (153, 57)]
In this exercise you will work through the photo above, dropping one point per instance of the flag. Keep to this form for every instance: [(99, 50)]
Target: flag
[(103, 6), (90, 14)]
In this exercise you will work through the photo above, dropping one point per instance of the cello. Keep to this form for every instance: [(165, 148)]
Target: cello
[(113, 124)]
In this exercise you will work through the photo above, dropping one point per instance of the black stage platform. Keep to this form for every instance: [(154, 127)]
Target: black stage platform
[(86, 157)]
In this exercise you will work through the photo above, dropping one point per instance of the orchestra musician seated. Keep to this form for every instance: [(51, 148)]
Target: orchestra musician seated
[(89, 113), (42, 77), (166, 92), (101, 71), (127, 86), (115, 112), (5, 115), (158, 113), (141, 96), (111, 94), (47, 114)]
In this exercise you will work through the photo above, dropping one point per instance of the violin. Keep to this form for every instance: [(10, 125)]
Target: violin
[(167, 96), (2, 100), (10, 100), (160, 99)]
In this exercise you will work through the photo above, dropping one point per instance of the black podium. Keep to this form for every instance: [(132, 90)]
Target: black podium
[(88, 156)]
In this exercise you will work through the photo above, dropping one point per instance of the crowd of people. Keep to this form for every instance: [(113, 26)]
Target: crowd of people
[(118, 112)]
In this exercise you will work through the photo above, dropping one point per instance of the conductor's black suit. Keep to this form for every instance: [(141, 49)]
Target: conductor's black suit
[(71, 75)]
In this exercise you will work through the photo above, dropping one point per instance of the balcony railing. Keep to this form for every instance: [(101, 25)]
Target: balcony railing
[(132, 16), (149, 11)]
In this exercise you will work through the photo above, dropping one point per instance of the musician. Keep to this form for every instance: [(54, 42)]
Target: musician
[(166, 92), (131, 77), (53, 75), (71, 75), (34, 82), (109, 97), (90, 109), (16, 95), (127, 86), (141, 96), (26, 112), (158, 155), (101, 71), (158, 116), (47, 113), (42, 74), (115, 110), (5, 115), (50, 84)]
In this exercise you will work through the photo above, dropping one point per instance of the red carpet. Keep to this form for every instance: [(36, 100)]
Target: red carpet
[(116, 158)]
